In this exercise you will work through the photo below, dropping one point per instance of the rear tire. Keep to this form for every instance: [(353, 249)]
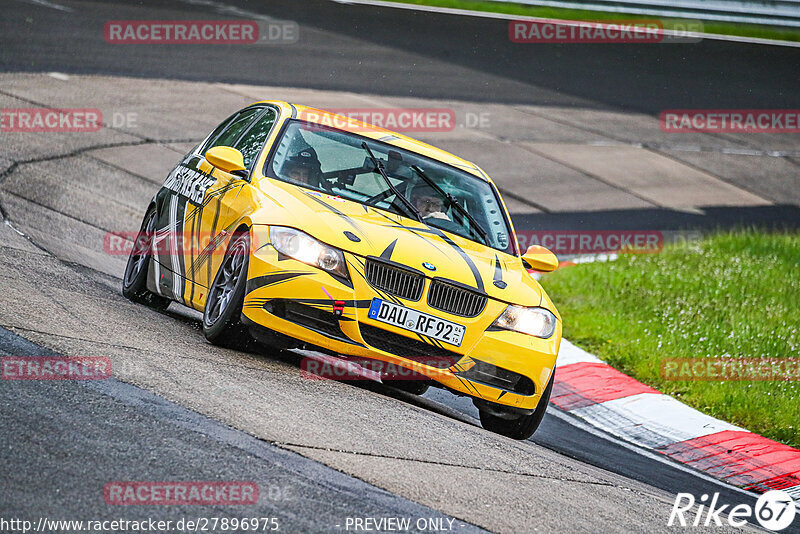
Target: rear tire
[(523, 426), (222, 324), (134, 281)]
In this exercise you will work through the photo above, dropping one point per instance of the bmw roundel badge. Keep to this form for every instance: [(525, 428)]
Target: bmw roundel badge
[(429, 266)]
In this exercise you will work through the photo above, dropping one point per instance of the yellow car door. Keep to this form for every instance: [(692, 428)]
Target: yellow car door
[(211, 223)]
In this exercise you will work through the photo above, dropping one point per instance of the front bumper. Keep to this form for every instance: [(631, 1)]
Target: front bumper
[(300, 301)]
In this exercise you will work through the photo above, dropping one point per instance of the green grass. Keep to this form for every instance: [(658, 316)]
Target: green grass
[(733, 294), (723, 28)]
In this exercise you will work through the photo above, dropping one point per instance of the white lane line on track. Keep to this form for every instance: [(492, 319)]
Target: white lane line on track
[(582, 425), (504, 16), (225, 9), (51, 5), (698, 148)]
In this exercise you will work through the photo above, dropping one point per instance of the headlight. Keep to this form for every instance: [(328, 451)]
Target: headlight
[(303, 247), (537, 322)]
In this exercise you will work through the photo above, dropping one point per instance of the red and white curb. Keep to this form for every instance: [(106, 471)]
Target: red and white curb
[(607, 399)]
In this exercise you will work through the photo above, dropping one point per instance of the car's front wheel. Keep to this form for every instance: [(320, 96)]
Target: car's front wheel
[(222, 323), (134, 281), (521, 427)]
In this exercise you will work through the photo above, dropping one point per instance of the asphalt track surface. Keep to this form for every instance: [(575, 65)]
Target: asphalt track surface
[(397, 52), (143, 436), (116, 426)]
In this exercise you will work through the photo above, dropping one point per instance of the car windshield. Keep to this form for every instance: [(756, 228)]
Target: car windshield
[(338, 163)]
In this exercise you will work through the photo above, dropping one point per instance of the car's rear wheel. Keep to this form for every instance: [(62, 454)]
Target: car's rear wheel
[(519, 427), (134, 282), (222, 323)]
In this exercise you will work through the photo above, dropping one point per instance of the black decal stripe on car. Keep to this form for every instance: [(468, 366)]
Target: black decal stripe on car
[(344, 216), (501, 394), (498, 269), (419, 230), (196, 218), (435, 231), (415, 231), (213, 244), (379, 212), (344, 338), (430, 341), (205, 254), (387, 253), (180, 228), (342, 280), (217, 210), (466, 361), (212, 196), (467, 260), (467, 385), (194, 238), (271, 279), (436, 342), (356, 304)]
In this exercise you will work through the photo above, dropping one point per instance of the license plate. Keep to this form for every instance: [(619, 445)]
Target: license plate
[(417, 322)]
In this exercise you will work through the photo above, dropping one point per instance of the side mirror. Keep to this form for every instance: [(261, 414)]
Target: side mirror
[(226, 158), (540, 259)]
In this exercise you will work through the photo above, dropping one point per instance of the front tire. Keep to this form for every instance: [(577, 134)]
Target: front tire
[(222, 323), (134, 281), (521, 427)]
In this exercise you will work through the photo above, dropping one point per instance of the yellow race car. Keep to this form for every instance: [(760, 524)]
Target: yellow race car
[(300, 227)]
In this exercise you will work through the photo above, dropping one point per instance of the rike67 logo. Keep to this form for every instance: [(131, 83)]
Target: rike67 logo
[(774, 510)]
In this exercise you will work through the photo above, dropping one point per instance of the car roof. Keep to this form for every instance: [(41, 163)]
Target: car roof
[(347, 124)]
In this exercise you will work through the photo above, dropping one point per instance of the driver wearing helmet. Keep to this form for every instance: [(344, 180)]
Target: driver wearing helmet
[(303, 167), (428, 202)]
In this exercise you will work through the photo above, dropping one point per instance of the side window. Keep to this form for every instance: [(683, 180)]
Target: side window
[(234, 128), (250, 144), (217, 131)]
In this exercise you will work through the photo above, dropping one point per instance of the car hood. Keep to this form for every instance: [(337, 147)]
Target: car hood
[(367, 231)]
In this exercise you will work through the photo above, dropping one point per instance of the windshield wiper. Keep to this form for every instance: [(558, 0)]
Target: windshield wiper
[(379, 166), (454, 203)]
